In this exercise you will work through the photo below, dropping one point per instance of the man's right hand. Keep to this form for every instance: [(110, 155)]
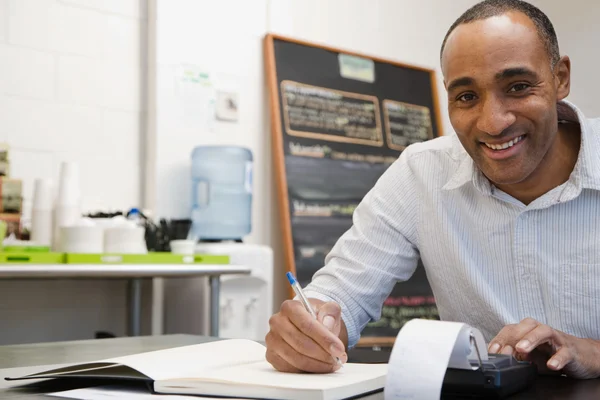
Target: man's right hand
[(299, 343)]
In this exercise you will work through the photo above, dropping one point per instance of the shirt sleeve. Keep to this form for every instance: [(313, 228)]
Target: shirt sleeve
[(376, 252)]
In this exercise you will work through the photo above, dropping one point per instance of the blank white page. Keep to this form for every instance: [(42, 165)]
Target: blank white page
[(193, 361), (263, 374)]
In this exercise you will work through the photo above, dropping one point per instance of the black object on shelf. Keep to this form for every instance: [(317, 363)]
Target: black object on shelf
[(159, 235), (179, 228)]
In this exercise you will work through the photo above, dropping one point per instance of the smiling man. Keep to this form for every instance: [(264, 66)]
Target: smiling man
[(503, 215)]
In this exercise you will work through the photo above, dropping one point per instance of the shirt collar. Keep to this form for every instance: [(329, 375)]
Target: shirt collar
[(467, 172), (587, 167), (586, 173)]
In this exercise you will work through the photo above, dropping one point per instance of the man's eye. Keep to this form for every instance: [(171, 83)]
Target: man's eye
[(465, 98), (519, 87)]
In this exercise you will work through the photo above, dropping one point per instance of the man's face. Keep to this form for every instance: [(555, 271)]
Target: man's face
[(502, 95)]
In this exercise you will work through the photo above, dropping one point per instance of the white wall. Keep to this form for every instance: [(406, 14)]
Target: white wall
[(71, 74), (224, 39), (70, 89), (578, 32)]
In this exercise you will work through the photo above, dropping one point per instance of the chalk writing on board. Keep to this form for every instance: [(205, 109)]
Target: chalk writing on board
[(399, 310), (406, 124), (320, 151), (333, 115), (314, 209)]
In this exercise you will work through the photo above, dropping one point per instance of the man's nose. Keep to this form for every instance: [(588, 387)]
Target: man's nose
[(494, 117)]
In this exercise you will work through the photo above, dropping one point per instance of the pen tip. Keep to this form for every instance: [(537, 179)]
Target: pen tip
[(291, 278)]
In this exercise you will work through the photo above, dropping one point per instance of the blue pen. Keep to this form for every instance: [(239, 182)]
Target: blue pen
[(298, 290)]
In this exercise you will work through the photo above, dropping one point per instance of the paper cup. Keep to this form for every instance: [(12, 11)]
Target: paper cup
[(43, 195), (183, 246)]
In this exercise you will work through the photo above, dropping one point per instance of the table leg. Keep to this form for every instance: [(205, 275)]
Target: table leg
[(135, 307), (215, 284), (158, 306)]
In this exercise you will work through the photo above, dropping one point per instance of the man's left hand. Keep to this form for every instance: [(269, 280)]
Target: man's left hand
[(550, 349)]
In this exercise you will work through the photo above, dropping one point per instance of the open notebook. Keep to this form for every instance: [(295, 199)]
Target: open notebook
[(229, 368)]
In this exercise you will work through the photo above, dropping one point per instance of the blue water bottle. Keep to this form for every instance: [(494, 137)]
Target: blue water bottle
[(221, 193)]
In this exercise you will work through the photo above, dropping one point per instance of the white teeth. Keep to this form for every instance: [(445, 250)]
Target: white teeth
[(504, 145)]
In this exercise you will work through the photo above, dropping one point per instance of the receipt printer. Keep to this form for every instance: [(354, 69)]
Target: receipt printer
[(495, 378)]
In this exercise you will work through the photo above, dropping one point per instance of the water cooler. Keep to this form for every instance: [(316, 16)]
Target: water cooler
[(246, 301), (221, 217)]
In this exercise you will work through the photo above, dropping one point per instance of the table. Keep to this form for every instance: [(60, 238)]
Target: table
[(29, 355), (26, 356), (134, 273)]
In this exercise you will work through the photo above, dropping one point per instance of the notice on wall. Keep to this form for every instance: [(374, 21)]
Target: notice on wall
[(406, 124), (333, 115), (195, 97), (359, 68)]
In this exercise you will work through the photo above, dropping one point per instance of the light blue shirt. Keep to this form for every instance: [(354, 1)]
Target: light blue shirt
[(490, 259)]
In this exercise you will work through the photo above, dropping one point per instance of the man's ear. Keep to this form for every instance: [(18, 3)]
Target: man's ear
[(562, 74)]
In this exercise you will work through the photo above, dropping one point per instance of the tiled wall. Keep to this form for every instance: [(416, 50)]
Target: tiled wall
[(72, 77), (72, 74)]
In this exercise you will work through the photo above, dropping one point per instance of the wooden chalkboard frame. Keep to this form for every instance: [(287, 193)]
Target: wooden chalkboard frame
[(277, 141)]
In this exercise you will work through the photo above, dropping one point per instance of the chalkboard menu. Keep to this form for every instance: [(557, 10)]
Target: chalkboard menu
[(339, 119)]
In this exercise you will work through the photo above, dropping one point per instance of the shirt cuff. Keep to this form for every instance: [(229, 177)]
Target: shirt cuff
[(353, 334)]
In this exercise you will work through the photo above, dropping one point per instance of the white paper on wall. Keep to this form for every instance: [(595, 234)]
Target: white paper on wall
[(196, 94)]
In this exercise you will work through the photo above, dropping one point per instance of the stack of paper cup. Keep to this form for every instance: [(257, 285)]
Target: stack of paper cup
[(41, 216), (67, 210), (125, 239), (82, 237)]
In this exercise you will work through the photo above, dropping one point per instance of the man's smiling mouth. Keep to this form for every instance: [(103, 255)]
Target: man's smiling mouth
[(505, 145)]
